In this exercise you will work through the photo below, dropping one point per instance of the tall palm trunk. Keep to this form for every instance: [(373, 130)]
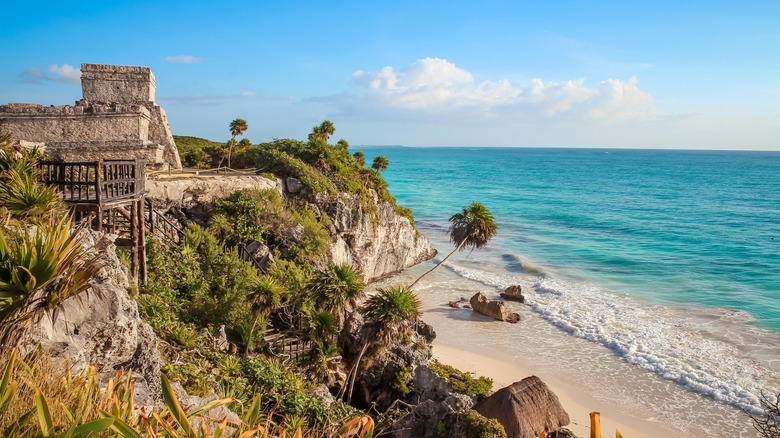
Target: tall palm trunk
[(440, 263), (230, 150)]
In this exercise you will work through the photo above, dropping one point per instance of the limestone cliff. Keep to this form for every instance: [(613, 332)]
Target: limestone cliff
[(380, 243), (366, 234), (102, 326)]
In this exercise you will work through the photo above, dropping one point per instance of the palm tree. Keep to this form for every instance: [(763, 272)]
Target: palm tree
[(327, 129), (267, 293), (380, 163), (390, 310), (336, 287), (473, 227), (360, 157), (237, 127)]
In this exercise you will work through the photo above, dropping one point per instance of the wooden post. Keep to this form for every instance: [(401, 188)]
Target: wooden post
[(595, 425), (142, 239), (134, 237)]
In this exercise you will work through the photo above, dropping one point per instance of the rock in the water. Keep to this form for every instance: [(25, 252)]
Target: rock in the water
[(493, 309), (525, 409), (513, 293)]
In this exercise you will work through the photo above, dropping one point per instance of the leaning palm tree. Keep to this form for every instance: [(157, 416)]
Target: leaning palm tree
[(237, 127), (380, 163), (473, 227)]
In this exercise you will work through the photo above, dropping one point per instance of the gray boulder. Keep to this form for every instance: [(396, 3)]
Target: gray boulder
[(293, 185), (260, 253), (525, 409)]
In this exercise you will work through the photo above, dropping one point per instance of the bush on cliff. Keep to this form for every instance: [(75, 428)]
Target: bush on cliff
[(210, 284), (463, 382)]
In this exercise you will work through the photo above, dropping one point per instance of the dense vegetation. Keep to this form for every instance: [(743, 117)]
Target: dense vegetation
[(321, 167)]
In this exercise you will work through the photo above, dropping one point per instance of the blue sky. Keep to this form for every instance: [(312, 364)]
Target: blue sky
[(492, 73)]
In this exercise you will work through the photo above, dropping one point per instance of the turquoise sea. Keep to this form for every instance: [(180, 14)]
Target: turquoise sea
[(669, 259)]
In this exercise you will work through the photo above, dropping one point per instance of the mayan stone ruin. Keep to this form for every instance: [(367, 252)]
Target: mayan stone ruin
[(116, 119)]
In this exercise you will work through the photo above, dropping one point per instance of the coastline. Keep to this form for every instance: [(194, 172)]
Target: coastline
[(577, 404)]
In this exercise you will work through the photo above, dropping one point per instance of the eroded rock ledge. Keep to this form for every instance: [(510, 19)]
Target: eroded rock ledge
[(380, 243)]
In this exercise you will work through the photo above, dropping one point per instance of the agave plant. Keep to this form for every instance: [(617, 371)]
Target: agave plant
[(41, 267), (24, 196)]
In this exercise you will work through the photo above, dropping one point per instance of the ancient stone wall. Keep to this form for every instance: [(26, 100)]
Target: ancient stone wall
[(76, 123), (117, 119), (117, 83)]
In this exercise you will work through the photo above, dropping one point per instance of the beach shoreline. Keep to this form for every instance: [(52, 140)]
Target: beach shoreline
[(576, 403)]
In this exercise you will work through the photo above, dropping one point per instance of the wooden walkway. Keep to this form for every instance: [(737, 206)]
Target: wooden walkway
[(110, 195)]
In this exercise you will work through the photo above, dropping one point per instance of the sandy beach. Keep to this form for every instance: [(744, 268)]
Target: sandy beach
[(577, 405)]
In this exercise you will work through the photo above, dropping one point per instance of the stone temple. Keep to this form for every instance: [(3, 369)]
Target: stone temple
[(117, 119)]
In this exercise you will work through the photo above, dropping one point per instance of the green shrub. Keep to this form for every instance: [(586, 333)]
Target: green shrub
[(402, 381), (463, 382), (316, 233), (477, 426), (282, 391), (180, 333), (192, 376), (210, 284), (246, 214)]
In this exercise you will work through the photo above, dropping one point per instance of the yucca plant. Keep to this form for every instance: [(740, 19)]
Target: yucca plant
[(24, 196), (39, 268)]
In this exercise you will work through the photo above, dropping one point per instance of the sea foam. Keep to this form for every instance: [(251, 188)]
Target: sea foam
[(690, 346)]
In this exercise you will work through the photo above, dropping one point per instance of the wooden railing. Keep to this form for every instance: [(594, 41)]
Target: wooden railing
[(162, 227), (95, 182)]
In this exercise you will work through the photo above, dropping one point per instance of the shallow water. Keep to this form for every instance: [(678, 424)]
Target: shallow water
[(652, 277)]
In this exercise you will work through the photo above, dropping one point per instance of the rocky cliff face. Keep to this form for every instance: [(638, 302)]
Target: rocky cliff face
[(102, 326), (379, 242)]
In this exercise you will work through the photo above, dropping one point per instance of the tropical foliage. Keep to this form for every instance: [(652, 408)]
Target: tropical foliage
[(392, 309), (380, 163), (32, 404), (39, 268)]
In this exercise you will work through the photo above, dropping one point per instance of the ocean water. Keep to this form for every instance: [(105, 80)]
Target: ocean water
[(663, 265)]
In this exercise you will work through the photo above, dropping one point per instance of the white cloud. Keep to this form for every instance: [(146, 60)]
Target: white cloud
[(184, 59), (436, 85), (34, 74), (66, 73)]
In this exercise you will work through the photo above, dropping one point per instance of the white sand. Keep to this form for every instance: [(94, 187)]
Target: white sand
[(577, 405)]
